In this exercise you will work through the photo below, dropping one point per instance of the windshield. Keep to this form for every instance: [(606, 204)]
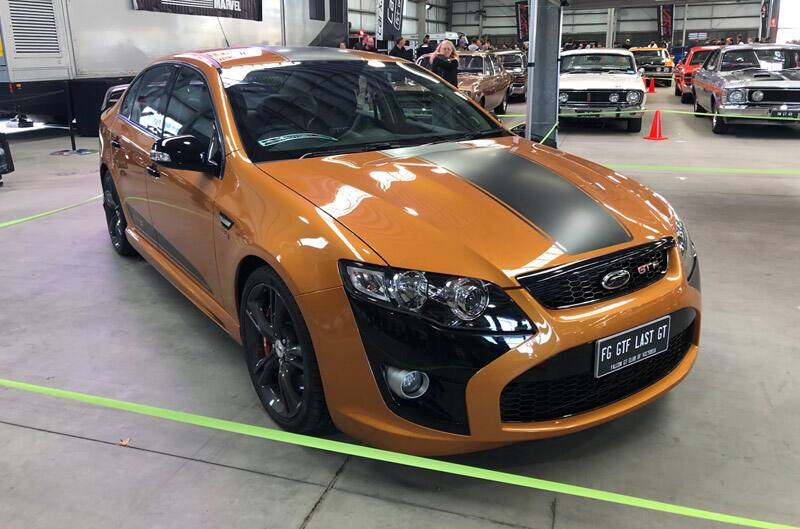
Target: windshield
[(291, 110), (739, 60), (779, 58), (648, 56), (699, 57), (600, 62), (470, 64), (511, 61)]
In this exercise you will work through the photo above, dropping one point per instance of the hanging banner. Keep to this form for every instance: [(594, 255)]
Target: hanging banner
[(245, 9), (522, 20), (665, 14), (763, 30), (389, 19)]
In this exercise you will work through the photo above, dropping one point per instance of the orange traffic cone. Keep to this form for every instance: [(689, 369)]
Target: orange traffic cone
[(655, 130), (652, 88)]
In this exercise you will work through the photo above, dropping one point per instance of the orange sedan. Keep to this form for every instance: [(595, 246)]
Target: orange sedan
[(393, 261)]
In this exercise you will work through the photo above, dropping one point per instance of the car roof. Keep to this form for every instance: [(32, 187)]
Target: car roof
[(480, 53), (250, 55), (760, 46), (509, 52), (704, 48), (645, 48), (595, 51)]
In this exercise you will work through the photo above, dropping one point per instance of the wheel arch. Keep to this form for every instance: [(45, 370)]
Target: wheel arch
[(247, 266)]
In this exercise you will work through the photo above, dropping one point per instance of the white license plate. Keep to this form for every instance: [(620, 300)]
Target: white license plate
[(631, 347)]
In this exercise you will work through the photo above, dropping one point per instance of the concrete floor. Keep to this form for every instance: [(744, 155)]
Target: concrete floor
[(74, 315)]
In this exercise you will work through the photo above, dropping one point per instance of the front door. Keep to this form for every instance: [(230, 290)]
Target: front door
[(136, 128), (181, 201)]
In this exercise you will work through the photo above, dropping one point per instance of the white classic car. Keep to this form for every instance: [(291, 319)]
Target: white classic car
[(601, 80)]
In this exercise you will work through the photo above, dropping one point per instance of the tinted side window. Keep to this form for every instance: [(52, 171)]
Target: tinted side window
[(191, 109), (130, 96), (711, 62), (151, 97)]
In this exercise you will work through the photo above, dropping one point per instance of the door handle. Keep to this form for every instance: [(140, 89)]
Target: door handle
[(115, 143), (226, 222), (152, 171)]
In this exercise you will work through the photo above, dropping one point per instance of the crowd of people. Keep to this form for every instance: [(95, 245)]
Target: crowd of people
[(571, 44), (402, 49)]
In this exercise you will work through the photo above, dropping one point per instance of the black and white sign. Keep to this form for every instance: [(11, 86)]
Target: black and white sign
[(631, 347), (389, 19), (246, 9)]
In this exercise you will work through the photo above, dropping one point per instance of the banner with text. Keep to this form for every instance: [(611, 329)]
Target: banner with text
[(389, 21), (244, 9), (665, 14), (522, 20)]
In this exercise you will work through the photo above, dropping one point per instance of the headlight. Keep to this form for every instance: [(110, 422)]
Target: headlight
[(686, 247), (450, 301), (563, 97), (613, 97), (758, 96), (633, 97), (736, 96)]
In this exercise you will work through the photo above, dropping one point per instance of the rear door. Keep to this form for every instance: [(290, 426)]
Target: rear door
[(136, 128), (182, 201)]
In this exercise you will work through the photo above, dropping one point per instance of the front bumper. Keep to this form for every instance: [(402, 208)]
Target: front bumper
[(599, 111), (753, 113), (518, 89), (659, 76), (358, 408)]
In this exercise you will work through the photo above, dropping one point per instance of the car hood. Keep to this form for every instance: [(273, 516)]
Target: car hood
[(493, 209), (600, 81), (777, 79)]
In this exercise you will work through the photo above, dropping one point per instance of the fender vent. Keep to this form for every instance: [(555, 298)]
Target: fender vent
[(33, 27)]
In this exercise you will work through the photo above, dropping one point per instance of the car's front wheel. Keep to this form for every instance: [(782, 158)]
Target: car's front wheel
[(115, 216), (502, 108), (280, 356), (718, 124), (697, 108)]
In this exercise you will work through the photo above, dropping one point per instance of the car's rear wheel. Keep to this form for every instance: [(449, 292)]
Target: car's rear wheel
[(280, 356), (635, 125), (697, 108), (115, 216), (686, 98), (678, 91)]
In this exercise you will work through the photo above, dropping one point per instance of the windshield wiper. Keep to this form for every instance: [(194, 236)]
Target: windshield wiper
[(347, 149), (482, 134)]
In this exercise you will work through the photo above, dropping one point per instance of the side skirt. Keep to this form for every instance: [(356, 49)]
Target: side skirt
[(186, 284)]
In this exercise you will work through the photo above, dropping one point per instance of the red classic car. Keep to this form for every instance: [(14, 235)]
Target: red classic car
[(684, 70)]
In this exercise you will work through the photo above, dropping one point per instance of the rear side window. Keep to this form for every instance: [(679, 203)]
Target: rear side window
[(130, 96), (150, 98)]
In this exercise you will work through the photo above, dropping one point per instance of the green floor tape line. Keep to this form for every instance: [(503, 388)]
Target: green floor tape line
[(702, 170), (46, 213), (392, 457)]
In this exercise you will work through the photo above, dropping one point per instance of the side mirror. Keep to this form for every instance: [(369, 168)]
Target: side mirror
[(183, 152)]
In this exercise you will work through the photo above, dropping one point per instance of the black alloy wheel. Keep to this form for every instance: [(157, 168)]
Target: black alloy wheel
[(280, 356), (718, 123), (697, 108), (502, 108), (115, 217)]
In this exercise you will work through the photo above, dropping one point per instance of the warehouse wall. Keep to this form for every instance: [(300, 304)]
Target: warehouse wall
[(639, 24), (361, 15)]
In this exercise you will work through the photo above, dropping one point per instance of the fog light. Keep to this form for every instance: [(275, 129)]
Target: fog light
[(407, 384), (758, 96), (563, 97), (613, 97)]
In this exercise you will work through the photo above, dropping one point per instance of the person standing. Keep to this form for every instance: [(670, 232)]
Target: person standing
[(399, 49), (444, 62), (425, 48), (475, 46)]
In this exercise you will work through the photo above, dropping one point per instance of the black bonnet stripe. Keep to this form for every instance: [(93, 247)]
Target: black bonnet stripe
[(552, 203)]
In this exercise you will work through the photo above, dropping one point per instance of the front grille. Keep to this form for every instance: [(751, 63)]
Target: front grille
[(777, 96), (582, 282), (598, 98), (565, 385)]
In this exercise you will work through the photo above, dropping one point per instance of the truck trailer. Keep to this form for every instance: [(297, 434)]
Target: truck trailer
[(58, 56)]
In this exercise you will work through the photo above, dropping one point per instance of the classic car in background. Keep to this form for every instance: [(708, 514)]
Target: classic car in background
[(601, 80), (756, 81), (482, 78), (657, 64), (516, 63), (685, 69)]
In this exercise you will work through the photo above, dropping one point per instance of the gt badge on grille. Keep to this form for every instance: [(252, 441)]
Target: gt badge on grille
[(647, 267)]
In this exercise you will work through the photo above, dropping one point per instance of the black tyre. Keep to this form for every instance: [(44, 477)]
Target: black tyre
[(668, 83), (280, 356), (115, 216), (697, 108), (686, 98), (678, 90), (718, 123), (635, 125), (502, 108)]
